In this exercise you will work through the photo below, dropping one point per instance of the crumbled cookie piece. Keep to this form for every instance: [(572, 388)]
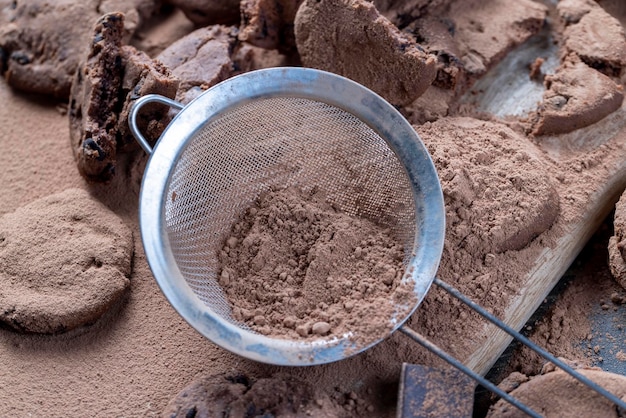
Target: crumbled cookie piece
[(277, 396), (571, 11), (108, 81), (204, 58), (95, 98), (466, 37), (534, 69), (485, 32), (557, 394), (594, 35), (143, 76), (436, 35), (332, 35), (44, 41), (576, 96)]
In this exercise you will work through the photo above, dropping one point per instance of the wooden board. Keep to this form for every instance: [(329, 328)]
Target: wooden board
[(606, 142)]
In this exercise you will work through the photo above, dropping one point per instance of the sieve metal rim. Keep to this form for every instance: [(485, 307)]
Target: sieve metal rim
[(307, 83)]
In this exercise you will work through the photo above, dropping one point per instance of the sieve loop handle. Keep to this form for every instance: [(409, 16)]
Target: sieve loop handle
[(132, 116)]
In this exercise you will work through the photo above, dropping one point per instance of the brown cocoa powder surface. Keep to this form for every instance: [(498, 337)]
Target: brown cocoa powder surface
[(580, 322), (563, 327), (134, 359), (295, 267), (556, 394)]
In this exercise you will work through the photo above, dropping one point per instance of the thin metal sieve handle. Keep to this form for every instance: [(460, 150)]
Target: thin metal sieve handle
[(504, 327), (451, 360), (132, 116)]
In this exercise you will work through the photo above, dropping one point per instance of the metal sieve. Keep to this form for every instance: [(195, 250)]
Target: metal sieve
[(277, 128), (286, 127)]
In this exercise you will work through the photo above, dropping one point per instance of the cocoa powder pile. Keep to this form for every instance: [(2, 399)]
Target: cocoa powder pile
[(296, 267)]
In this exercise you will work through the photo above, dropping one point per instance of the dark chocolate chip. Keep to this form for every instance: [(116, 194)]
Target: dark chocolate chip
[(191, 413), (20, 57), (89, 143)]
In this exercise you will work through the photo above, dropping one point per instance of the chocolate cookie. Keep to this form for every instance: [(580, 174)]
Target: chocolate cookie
[(351, 38), (111, 77), (64, 260), (467, 37), (497, 196), (485, 32), (204, 58), (142, 76), (576, 96), (556, 394), (44, 41), (236, 395), (594, 35)]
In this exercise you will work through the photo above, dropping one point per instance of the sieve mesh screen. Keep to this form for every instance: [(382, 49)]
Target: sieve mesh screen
[(269, 143)]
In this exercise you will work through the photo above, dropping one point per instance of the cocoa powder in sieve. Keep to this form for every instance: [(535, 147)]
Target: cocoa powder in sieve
[(296, 267)]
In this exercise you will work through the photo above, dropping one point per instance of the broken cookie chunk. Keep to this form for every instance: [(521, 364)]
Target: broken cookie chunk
[(143, 76), (242, 396), (43, 41), (351, 38), (204, 58), (576, 96), (594, 35), (95, 98), (107, 82)]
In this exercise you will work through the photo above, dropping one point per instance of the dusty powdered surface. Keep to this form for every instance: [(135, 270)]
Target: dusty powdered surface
[(580, 322), (106, 369), (563, 325), (64, 260), (294, 267), (134, 359), (498, 200), (493, 181)]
